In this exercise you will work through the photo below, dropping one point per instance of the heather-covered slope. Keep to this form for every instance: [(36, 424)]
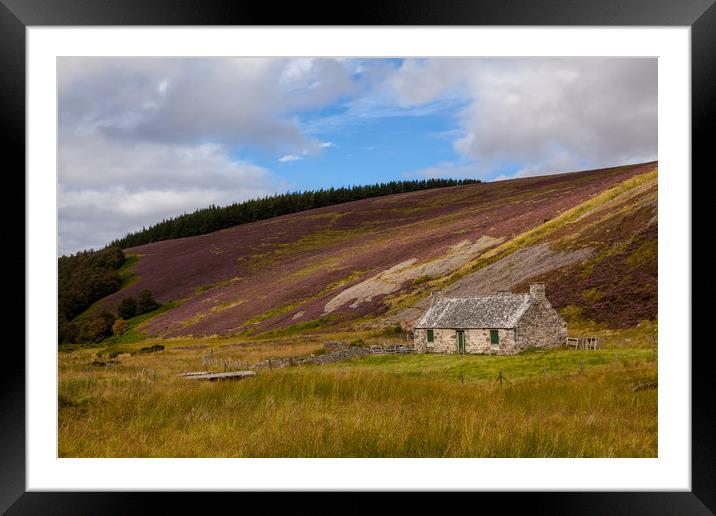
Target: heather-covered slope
[(590, 235), (598, 259)]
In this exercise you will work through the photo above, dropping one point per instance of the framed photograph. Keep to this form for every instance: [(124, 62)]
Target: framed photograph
[(427, 248)]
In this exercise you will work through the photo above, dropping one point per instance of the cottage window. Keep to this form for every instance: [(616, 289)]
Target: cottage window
[(431, 337), (494, 338)]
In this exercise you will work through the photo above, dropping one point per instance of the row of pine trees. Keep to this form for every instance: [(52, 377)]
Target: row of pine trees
[(214, 218)]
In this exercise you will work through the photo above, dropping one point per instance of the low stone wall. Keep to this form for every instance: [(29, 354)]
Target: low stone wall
[(337, 352)]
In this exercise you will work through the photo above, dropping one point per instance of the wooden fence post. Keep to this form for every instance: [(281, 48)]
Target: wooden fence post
[(500, 378)]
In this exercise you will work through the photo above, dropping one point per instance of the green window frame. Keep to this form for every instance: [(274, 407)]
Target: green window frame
[(494, 338), (431, 336)]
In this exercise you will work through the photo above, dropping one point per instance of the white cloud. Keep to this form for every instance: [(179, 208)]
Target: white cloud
[(234, 101), (108, 188), (288, 158), (420, 81), (544, 113)]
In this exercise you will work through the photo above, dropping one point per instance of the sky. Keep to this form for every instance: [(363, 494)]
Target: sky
[(144, 139)]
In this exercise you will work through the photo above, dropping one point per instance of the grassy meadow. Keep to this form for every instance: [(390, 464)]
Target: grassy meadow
[(560, 403)]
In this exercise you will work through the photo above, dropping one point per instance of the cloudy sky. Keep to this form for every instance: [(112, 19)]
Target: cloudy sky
[(145, 139)]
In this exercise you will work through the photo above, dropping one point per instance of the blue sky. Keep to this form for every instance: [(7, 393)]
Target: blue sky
[(142, 139), (371, 151)]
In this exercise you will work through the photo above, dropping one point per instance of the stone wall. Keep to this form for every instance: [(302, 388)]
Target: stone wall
[(335, 352), (541, 326), (476, 341), (420, 340)]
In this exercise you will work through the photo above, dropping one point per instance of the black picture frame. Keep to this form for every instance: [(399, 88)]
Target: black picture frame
[(17, 15)]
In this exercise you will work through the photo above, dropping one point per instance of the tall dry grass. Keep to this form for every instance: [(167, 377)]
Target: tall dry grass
[(134, 411)]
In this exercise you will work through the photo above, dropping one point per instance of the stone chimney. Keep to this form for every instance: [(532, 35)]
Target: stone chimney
[(537, 291), (504, 292)]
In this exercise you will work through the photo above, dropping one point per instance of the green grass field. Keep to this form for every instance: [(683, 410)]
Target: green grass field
[(586, 405), (481, 368)]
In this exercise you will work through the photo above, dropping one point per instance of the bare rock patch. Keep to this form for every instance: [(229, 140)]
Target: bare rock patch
[(390, 280)]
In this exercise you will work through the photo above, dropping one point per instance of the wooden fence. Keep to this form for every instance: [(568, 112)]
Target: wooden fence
[(590, 343)]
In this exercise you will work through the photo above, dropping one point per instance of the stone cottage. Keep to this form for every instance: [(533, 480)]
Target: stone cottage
[(503, 324)]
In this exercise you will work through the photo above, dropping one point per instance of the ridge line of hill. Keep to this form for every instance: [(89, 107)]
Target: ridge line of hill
[(214, 218)]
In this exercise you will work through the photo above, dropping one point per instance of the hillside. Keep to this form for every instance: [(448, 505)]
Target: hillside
[(214, 218), (591, 236)]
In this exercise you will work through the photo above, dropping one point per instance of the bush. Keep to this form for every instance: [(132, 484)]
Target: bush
[(127, 308), (145, 302), (119, 327), (68, 332), (96, 329), (152, 349)]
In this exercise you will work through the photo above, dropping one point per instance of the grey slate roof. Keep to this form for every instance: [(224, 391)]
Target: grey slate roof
[(500, 311)]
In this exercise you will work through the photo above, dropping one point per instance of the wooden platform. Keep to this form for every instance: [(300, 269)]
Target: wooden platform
[(206, 375)]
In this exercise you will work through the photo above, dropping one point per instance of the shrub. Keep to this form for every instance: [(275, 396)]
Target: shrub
[(68, 332), (145, 302), (119, 327), (127, 308), (152, 349), (96, 329)]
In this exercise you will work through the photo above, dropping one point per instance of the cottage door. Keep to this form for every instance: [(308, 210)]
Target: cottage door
[(460, 342)]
